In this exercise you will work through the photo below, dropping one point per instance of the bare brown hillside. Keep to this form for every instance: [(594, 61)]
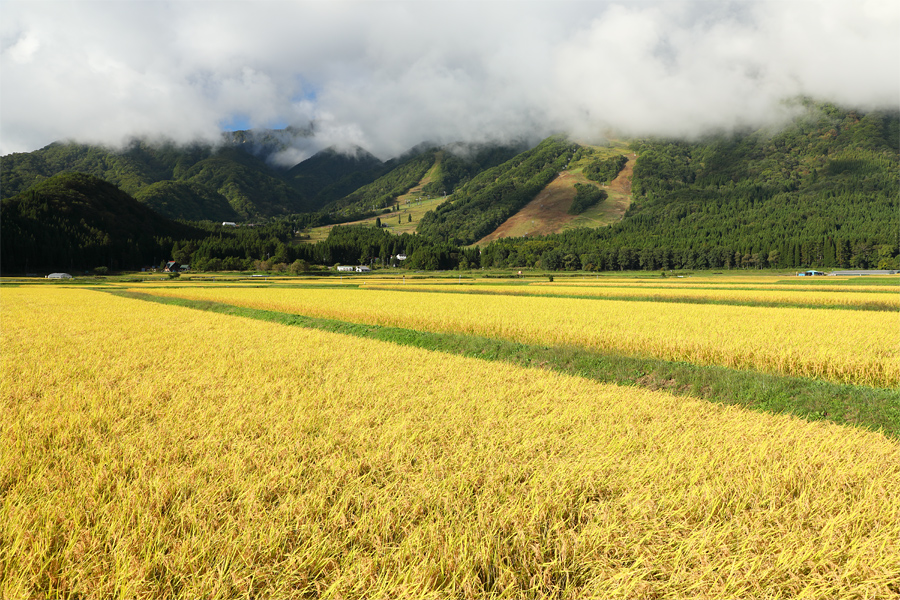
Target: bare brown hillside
[(547, 213)]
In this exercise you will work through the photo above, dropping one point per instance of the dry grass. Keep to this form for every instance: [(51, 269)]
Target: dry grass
[(152, 451), (838, 345)]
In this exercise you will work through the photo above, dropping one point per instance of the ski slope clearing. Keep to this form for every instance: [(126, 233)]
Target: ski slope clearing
[(548, 212)]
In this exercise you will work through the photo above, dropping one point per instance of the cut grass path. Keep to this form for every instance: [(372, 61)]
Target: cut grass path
[(872, 408)]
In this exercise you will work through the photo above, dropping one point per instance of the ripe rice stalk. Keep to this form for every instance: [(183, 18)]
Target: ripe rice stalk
[(154, 451), (857, 347), (883, 299)]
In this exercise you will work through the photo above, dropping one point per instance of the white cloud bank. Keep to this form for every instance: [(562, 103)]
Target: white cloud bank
[(389, 74)]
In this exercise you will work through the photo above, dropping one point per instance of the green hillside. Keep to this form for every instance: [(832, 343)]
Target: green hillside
[(458, 163), (821, 192), (330, 174), (77, 221), (233, 181), (251, 187), (248, 184), (186, 200), (482, 204), (402, 175)]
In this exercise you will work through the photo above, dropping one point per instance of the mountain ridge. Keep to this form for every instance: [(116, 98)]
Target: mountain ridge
[(822, 190)]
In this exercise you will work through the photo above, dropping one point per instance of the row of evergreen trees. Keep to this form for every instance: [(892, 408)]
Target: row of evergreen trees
[(573, 254)]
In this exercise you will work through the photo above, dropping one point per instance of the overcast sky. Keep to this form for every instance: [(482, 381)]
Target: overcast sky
[(388, 74)]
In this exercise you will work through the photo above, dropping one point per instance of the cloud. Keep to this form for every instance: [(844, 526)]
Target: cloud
[(387, 75)]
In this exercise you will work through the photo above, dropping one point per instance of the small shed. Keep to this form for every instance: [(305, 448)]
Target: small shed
[(362, 269), (345, 268), (810, 273), (59, 276)]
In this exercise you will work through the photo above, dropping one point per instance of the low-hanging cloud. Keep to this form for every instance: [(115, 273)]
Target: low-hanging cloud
[(388, 75)]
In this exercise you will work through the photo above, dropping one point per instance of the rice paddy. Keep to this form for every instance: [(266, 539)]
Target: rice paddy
[(844, 346), (156, 451)]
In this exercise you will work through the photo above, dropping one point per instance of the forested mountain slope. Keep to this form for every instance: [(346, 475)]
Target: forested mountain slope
[(78, 221), (401, 175), (458, 163), (823, 191), (602, 174), (330, 174), (233, 181), (482, 204), (186, 200), (228, 175)]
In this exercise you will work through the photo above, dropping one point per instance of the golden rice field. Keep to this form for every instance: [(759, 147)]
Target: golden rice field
[(153, 451), (839, 345), (887, 299)]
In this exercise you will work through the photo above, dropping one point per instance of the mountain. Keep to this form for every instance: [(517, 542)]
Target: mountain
[(237, 180), (481, 205), (330, 174), (822, 191), (73, 220), (397, 176), (235, 174), (267, 144), (251, 187), (459, 162), (186, 200)]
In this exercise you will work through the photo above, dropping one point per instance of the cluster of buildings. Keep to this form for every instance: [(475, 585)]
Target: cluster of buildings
[(359, 269)]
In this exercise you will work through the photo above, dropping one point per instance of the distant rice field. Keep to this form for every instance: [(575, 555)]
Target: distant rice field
[(886, 299)]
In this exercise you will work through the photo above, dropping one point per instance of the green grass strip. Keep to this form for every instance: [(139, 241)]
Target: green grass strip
[(872, 408)]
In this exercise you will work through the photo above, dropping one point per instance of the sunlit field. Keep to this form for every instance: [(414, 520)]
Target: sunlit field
[(839, 345), (156, 451), (886, 299)]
